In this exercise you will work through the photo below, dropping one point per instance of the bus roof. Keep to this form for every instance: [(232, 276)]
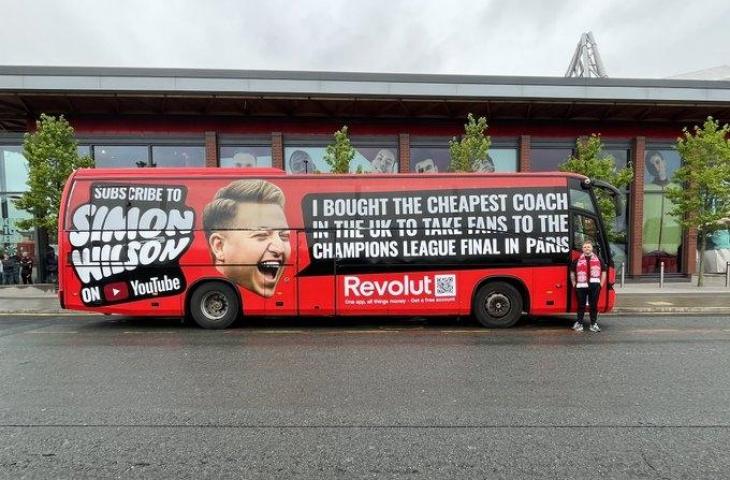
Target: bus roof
[(187, 172)]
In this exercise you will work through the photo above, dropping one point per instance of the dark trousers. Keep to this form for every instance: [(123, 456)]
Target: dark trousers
[(591, 293), (26, 276)]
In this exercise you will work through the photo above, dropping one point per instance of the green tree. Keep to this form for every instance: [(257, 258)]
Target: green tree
[(701, 189), (590, 160), (469, 154), (52, 155), (340, 152)]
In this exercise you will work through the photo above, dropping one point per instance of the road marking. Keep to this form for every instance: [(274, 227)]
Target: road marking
[(279, 332), (356, 332), (658, 303), (133, 332), (38, 332), (518, 332), (467, 331)]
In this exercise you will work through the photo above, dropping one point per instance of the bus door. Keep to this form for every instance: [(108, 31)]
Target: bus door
[(315, 283), (585, 227)]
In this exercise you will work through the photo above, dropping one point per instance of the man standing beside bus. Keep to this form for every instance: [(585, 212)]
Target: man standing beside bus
[(588, 276)]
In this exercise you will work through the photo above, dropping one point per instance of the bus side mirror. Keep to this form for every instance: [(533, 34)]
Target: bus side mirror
[(618, 202)]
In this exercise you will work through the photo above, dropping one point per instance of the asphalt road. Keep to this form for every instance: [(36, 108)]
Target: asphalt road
[(103, 397)]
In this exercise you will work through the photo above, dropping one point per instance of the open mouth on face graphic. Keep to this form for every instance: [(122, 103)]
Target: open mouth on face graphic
[(271, 270)]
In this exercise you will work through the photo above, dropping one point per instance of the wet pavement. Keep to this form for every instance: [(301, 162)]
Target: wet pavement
[(107, 397)]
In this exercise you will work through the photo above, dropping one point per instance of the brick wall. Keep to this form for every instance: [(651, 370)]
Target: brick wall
[(211, 149), (404, 152), (524, 163), (637, 207), (277, 150), (689, 247)]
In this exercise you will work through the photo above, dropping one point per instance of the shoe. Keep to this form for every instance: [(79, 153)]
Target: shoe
[(578, 327), (595, 328)]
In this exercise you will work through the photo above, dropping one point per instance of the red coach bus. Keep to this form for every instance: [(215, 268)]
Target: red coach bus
[(217, 244)]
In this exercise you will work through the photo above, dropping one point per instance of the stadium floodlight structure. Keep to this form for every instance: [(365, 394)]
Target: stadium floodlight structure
[(586, 60)]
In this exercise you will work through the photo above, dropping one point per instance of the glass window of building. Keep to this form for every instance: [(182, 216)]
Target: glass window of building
[(620, 156), (13, 178), (368, 158), (430, 159), (618, 235), (426, 159), (503, 159), (11, 233), (375, 159), (548, 159), (305, 159), (13, 239), (121, 156), (13, 169), (84, 150), (662, 233), (242, 156), (178, 156)]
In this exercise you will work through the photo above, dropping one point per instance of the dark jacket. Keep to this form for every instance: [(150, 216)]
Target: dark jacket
[(9, 266), (51, 262), (26, 265)]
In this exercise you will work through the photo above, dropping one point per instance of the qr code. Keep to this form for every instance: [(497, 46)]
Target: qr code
[(445, 285)]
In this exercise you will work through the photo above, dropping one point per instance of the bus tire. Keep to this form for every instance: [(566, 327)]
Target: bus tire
[(214, 305), (497, 305)]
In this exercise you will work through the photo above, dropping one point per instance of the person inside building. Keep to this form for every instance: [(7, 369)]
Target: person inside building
[(26, 268), (16, 271), (588, 277), (51, 266), (9, 266), (248, 234)]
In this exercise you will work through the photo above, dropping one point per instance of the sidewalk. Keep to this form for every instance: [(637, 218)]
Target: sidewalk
[(39, 298), (634, 298), (676, 297)]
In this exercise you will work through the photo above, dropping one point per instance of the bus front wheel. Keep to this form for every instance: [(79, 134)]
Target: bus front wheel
[(214, 305), (497, 305)]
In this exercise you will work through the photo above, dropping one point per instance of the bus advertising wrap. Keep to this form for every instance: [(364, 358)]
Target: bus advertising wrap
[(122, 252), (429, 228), (316, 244)]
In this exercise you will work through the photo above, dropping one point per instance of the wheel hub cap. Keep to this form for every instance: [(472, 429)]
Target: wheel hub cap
[(498, 305), (214, 305)]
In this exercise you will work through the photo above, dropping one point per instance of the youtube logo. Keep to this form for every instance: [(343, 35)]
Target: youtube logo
[(116, 291)]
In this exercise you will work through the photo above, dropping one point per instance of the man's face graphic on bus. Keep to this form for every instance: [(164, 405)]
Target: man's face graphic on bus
[(255, 248)]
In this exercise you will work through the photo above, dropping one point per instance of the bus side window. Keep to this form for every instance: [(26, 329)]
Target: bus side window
[(585, 229), (581, 199)]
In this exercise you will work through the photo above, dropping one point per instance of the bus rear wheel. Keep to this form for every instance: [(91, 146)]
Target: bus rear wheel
[(214, 305), (497, 305)]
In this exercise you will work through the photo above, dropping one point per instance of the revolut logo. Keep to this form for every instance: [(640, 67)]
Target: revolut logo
[(127, 241), (429, 285)]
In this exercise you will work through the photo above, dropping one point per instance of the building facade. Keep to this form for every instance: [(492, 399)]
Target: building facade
[(398, 124)]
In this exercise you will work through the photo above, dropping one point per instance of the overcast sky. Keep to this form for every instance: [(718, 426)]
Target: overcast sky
[(647, 38)]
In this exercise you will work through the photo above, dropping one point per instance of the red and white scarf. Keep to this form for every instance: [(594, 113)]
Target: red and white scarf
[(582, 274)]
